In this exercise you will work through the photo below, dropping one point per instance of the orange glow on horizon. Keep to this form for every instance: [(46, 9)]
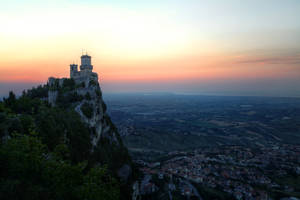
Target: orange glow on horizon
[(181, 68)]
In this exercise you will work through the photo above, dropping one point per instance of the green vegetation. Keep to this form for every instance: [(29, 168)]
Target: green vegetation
[(65, 99), (115, 156), (80, 85), (38, 92), (88, 96), (87, 110), (165, 141), (45, 152), (69, 84), (30, 171), (98, 92), (93, 83), (66, 94)]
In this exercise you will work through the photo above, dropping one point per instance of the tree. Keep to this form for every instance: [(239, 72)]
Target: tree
[(88, 96), (87, 110), (29, 171), (11, 100)]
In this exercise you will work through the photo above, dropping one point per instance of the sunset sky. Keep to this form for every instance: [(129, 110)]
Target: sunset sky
[(223, 47)]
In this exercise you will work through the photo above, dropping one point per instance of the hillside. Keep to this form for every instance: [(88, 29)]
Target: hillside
[(57, 142)]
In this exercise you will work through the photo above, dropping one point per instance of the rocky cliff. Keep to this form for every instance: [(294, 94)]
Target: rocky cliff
[(89, 105), (67, 150), (85, 97)]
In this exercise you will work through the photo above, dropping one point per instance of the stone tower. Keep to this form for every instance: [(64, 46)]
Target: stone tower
[(86, 74), (73, 70), (86, 63)]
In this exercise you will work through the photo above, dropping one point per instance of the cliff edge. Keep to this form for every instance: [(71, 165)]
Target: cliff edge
[(82, 93)]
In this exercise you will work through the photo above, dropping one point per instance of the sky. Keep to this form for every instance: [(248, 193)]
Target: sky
[(219, 47)]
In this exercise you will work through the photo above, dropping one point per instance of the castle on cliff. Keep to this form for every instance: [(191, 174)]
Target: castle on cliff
[(85, 75), (86, 70), (85, 97)]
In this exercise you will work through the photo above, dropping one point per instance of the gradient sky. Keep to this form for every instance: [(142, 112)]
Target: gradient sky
[(225, 47)]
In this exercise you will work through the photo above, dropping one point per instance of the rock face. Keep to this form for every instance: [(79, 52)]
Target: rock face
[(90, 106), (52, 96), (82, 93)]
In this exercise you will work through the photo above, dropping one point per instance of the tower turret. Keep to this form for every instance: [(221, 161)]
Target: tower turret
[(73, 70), (86, 63), (85, 74)]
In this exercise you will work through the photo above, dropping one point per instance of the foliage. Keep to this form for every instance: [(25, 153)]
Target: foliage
[(55, 125), (58, 126), (98, 92), (69, 83), (38, 92), (115, 157), (24, 104), (11, 100), (87, 110), (29, 171), (55, 85), (92, 83), (82, 84), (112, 155), (65, 99), (51, 157), (67, 94), (88, 96), (95, 179)]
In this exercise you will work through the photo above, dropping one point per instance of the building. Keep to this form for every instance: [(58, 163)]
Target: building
[(86, 73), (83, 78)]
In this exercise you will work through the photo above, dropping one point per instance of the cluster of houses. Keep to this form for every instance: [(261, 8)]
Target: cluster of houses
[(236, 170)]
